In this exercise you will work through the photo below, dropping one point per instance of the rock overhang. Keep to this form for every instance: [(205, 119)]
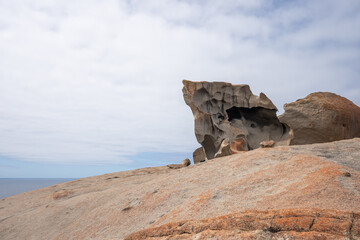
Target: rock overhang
[(230, 118)]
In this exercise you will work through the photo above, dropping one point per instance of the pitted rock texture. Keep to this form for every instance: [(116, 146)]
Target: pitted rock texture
[(229, 118), (275, 224), (322, 117), (311, 180)]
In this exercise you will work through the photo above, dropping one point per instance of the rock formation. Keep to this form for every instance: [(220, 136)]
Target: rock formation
[(186, 162), (285, 192), (288, 192), (229, 118), (199, 155), (322, 117)]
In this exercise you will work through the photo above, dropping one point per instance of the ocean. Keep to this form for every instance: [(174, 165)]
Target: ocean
[(13, 186)]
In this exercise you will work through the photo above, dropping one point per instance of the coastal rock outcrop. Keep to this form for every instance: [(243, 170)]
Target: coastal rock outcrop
[(288, 192), (322, 117), (230, 118)]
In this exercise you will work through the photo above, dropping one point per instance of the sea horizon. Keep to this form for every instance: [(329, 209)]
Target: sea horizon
[(13, 186)]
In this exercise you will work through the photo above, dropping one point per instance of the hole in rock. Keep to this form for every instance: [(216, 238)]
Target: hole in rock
[(259, 115), (261, 124), (221, 117)]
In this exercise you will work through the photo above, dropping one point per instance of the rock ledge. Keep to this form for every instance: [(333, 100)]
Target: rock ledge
[(278, 224)]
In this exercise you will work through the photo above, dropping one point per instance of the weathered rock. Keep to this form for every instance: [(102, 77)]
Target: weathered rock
[(229, 118), (267, 193), (267, 144), (186, 162), (235, 146), (199, 155), (278, 224), (322, 117), (175, 166)]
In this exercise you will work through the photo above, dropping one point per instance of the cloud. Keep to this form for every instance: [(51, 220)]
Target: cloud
[(100, 81)]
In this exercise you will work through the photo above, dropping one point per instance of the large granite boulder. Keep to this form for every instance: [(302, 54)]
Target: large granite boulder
[(229, 118), (322, 117)]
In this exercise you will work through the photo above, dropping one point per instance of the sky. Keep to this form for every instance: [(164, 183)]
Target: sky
[(89, 87)]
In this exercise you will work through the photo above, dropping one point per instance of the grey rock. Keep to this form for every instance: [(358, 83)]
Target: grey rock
[(229, 118), (199, 155)]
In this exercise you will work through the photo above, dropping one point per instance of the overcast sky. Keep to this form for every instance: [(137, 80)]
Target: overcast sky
[(88, 87)]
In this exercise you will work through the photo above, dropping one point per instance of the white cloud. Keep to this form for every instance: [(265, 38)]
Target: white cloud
[(98, 81)]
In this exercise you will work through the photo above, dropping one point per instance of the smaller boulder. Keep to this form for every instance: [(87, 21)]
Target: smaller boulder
[(225, 149), (267, 144), (228, 148), (199, 155), (238, 145), (186, 162)]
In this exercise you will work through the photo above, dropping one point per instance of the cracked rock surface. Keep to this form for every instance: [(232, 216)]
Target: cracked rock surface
[(286, 192), (273, 224)]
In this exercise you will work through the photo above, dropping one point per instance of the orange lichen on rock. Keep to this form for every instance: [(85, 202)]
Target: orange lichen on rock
[(294, 223), (333, 225), (61, 194), (355, 230), (204, 197)]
